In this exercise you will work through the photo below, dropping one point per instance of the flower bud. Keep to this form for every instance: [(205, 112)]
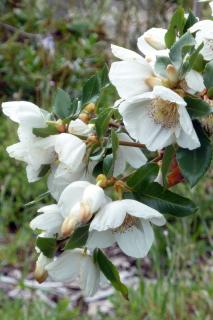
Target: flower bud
[(69, 225), (153, 81), (84, 117), (90, 108), (40, 273), (172, 73)]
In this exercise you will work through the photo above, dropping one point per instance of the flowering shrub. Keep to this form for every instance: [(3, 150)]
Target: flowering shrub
[(110, 168)]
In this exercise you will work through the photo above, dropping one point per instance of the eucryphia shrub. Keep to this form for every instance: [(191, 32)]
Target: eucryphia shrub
[(110, 168)]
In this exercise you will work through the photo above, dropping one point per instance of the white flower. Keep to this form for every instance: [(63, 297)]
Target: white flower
[(73, 264), (204, 34), (130, 75), (77, 204), (127, 155), (33, 150), (126, 222), (25, 113), (70, 150), (158, 119), (152, 43)]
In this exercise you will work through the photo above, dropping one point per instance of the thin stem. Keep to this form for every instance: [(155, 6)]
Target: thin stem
[(131, 144)]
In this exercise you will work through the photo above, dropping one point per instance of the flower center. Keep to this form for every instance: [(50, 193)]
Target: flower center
[(128, 222), (164, 112)]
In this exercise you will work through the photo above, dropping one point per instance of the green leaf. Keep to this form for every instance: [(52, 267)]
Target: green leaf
[(103, 77), (110, 272), (208, 78), (102, 121), (175, 28), (166, 162), (181, 47), (62, 104), (143, 176), (78, 238), (45, 132), (47, 246), (192, 60), (192, 19), (115, 143), (197, 107), (165, 201), (161, 64), (194, 163), (44, 169), (199, 64), (108, 165), (91, 90)]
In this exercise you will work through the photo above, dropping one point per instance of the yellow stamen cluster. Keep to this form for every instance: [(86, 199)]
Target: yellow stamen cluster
[(164, 112)]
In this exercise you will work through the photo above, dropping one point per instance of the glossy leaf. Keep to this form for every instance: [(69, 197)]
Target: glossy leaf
[(47, 246), (62, 104), (165, 201), (102, 121), (78, 238), (143, 176), (110, 272), (91, 90), (197, 107), (194, 163), (175, 28)]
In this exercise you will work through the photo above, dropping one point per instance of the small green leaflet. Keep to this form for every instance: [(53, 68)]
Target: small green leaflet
[(44, 169), (175, 28), (110, 272), (62, 106), (102, 121), (78, 238), (191, 19), (165, 201), (47, 246), (194, 163)]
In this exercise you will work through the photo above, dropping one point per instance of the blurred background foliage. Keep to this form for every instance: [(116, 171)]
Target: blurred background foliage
[(50, 44)]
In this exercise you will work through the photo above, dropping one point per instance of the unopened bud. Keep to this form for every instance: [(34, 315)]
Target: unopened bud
[(90, 108), (85, 214), (172, 73), (68, 226), (84, 117), (154, 42), (153, 81), (102, 180), (40, 273)]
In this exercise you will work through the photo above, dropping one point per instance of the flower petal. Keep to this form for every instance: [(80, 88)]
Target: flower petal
[(24, 113), (136, 241), (66, 266), (109, 217), (129, 77), (89, 276), (195, 81), (126, 54), (94, 196), (100, 239), (50, 221), (152, 42), (70, 150)]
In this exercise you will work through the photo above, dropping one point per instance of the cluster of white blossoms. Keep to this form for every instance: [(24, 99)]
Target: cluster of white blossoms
[(109, 168)]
